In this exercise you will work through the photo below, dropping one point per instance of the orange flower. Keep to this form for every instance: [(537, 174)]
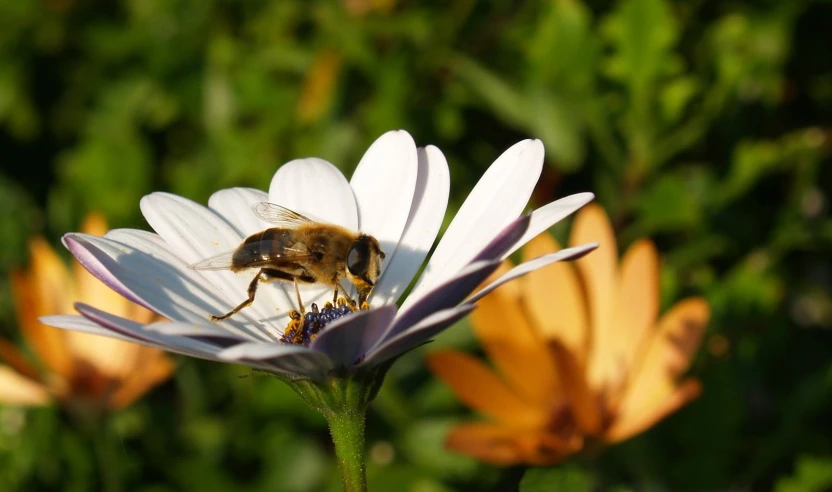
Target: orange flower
[(75, 369), (580, 354)]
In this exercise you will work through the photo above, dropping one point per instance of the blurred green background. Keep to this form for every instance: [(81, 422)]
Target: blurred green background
[(703, 124)]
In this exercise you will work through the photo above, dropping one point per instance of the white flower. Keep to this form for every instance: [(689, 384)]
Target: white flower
[(398, 194)]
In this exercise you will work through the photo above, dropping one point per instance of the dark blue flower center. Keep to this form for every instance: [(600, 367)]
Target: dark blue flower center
[(303, 328)]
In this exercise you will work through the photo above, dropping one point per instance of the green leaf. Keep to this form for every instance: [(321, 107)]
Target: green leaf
[(811, 474), (498, 93), (642, 34), (546, 114), (571, 478), (675, 97), (563, 49)]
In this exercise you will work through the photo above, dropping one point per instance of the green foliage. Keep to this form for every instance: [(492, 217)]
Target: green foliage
[(811, 474), (704, 125), (564, 478)]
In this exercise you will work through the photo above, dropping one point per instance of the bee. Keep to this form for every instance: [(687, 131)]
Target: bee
[(299, 249)]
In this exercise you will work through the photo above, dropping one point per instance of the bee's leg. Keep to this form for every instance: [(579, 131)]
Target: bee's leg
[(252, 290), (346, 295), (335, 295), (297, 293)]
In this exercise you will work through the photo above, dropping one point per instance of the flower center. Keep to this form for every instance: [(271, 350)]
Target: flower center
[(303, 328)]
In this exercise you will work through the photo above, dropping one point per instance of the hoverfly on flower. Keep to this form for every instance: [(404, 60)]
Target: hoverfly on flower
[(302, 250)]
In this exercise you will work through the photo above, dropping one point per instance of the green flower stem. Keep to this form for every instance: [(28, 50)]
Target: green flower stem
[(343, 399), (107, 458), (347, 431)]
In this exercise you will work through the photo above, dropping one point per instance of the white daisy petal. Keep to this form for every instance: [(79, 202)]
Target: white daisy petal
[(289, 359), (144, 265), (550, 214), (498, 198), (383, 184), (196, 233), (235, 206), (348, 339), (530, 266), (416, 335), (430, 200), (192, 230), (315, 188)]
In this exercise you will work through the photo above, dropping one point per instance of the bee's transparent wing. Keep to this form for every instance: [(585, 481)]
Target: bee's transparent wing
[(254, 255), (279, 215), (222, 261)]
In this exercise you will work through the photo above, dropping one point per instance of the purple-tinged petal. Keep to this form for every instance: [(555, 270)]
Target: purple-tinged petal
[(317, 189), (87, 256), (348, 339), (211, 334), (530, 266), (234, 205), (76, 322), (156, 278), (129, 328), (492, 251), (383, 184), (499, 197), (446, 295), (549, 215), (505, 240), (288, 359), (416, 335), (430, 200)]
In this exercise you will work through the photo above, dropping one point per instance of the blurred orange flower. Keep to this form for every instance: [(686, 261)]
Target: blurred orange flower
[(580, 354), (75, 369)]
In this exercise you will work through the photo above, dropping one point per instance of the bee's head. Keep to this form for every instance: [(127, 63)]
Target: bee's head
[(364, 265)]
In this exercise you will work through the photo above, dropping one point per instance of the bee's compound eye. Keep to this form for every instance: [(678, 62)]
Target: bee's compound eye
[(358, 258)]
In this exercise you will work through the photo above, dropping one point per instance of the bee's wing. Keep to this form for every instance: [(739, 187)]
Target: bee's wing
[(280, 215), (253, 255), (222, 261)]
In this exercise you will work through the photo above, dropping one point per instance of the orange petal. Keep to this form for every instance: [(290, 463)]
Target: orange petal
[(584, 404), (514, 346), (555, 299), (153, 369), (637, 301), (19, 390), (598, 272), (114, 359), (51, 279), (479, 388), (627, 426), (30, 295), (95, 224), (505, 446), (667, 357), (142, 315)]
